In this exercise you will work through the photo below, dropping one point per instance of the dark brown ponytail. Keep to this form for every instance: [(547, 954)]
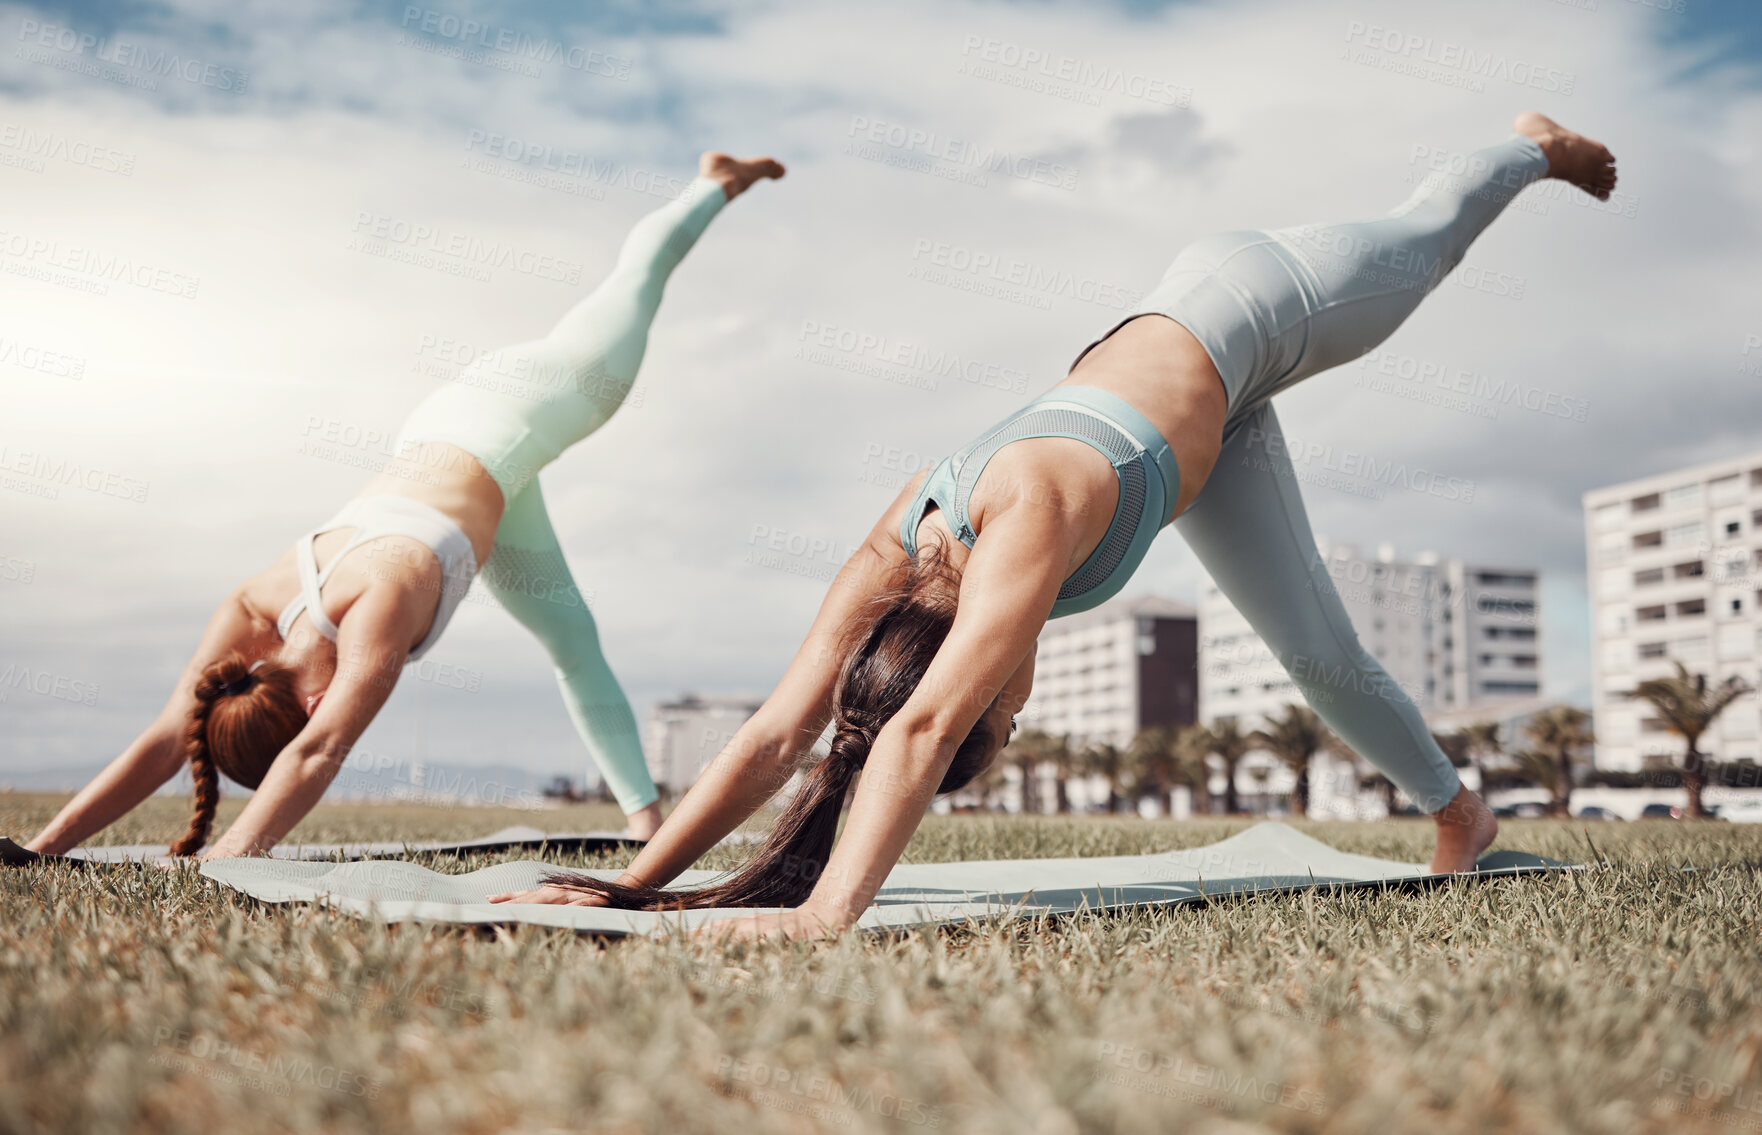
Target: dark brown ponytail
[(241, 721), (887, 650)]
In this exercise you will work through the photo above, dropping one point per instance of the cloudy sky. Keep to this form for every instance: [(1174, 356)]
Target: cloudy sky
[(196, 313)]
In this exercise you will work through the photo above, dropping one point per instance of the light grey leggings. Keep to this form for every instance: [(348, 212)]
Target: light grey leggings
[(1273, 308)]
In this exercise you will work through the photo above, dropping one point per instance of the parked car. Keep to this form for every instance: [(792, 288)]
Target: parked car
[(1528, 810), (1661, 812), (1593, 812), (1742, 811)]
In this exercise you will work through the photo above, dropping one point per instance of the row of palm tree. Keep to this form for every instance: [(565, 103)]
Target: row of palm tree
[(1161, 759)]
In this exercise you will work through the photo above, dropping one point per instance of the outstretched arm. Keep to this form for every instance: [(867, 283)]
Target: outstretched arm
[(158, 753), (367, 669), (1007, 591), (763, 752)]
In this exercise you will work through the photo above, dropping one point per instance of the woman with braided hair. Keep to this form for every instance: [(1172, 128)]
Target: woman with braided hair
[(299, 659)]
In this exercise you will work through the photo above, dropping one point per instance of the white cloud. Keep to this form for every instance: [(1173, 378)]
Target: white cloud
[(1176, 124)]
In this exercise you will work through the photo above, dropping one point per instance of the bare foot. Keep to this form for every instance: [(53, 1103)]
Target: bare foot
[(1466, 828), (1572, 157), (736, 174), (645, 822)]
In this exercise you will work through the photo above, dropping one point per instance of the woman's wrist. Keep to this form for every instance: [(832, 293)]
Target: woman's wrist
[(835, 913)]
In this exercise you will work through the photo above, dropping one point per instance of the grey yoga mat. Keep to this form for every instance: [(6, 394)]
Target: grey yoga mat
[(1268, 857), (13, 855)]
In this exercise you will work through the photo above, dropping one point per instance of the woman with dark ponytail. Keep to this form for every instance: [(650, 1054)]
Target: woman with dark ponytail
[(1165, 420), (889, 646)]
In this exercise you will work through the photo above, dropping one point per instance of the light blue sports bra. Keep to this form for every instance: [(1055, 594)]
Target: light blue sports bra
[(1149, 483)]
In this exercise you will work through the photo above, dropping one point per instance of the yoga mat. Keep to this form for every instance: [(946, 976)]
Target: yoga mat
[(1269, 857), (13, 855)]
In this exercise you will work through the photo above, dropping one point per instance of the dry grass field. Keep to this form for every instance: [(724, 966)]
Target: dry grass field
[(1625, 998)]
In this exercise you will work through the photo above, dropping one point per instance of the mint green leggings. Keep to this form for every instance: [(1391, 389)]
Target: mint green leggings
[(516, 410)]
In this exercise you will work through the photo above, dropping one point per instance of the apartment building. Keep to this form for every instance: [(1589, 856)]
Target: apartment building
[(1103, 675), (1672, 571)]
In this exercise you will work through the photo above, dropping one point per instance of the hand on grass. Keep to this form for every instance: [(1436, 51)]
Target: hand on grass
[(554, 896), (802, 922)]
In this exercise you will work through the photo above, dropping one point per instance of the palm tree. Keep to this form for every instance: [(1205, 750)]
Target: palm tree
[(1153, 763), (1689, 707), (1108, 762), (1294, 738), (1482, 741), (1193, 764), (1559, 731), (1027, 752), (1534, 766), (1229, 745)]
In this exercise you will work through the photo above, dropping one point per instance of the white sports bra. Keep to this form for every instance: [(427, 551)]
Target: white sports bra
[(372, 518)]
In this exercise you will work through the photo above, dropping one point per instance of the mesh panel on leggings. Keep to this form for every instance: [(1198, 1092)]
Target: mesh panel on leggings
[(540, 573), (1119, 448)]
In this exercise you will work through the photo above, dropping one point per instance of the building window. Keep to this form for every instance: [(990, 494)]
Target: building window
[(1648, 577), (1690, 533), (1689, 607), (1693, 570), (1652, 650), (1649, 540), (1733, 527), (1646, 503), (1650, 614), (1683, 496)]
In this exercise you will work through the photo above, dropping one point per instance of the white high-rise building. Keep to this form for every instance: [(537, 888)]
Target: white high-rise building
[(1450, 634), (1673, 575), (1102, 675), (684, 736)]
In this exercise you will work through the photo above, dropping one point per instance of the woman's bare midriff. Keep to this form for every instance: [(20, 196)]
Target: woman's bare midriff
[(441, 476), (449, 479), (1162, 370)]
